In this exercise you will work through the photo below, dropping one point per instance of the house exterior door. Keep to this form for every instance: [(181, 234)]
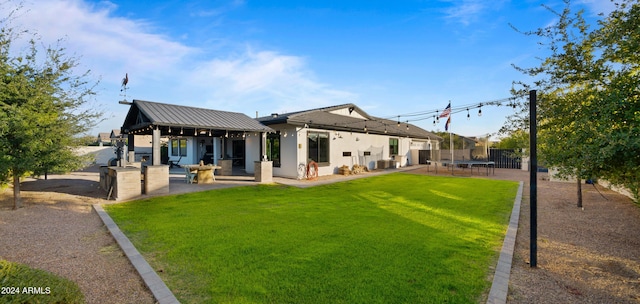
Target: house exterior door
[(238, 153)]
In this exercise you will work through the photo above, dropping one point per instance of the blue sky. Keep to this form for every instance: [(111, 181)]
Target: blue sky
[(388, 57)]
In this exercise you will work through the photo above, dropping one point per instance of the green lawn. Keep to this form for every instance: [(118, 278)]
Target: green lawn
[(395, 238), (20, 283)]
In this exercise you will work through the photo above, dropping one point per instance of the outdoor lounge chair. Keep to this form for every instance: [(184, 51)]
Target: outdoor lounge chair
[(189, 177)]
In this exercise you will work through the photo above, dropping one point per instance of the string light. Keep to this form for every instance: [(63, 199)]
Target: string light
[(468, 116), (480, 110), (181, 131)]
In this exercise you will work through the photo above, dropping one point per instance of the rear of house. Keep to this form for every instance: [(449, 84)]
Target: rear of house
[(342, 135)]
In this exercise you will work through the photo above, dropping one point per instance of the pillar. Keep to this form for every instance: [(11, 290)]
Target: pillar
[(131, 157), (155, 146)]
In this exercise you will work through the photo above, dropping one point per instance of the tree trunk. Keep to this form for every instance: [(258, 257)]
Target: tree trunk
[(579, 192), (17, 200)]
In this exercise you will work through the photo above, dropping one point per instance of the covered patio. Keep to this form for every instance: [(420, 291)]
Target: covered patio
[(210, 138), (195, 134)]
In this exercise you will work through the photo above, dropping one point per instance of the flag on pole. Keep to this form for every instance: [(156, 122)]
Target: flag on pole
[(446, 126), (446, 111)]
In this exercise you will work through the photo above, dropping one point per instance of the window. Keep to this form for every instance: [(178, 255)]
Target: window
[(393, 146), (179, 147), (346, 153), (318, 145), (273, 148)]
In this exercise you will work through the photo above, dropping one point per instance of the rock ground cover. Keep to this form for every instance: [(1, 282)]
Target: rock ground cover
[(584, 256)]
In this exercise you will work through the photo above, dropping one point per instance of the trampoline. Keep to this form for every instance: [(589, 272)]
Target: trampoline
[(488, 165)]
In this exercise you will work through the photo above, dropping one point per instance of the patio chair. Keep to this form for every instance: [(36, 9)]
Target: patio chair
[(189, 177)]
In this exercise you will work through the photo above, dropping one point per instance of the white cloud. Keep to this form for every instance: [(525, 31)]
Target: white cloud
[(108, 45), (162, 68), (465, 11), (264, 80), (596, 7)]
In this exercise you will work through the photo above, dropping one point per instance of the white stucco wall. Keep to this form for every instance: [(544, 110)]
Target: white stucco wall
[(294, 149), (190, 157), (252, 151)]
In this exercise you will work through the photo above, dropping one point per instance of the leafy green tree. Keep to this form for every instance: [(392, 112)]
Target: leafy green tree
[(517, 139), (618, 101), (43, 107), (589, 110), (446, 141)]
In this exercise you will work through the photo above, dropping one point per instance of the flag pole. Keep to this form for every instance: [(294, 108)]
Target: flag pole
[(451, 139)]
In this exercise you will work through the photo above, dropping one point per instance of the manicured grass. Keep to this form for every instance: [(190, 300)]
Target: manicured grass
[(396, 238), (21, 284)]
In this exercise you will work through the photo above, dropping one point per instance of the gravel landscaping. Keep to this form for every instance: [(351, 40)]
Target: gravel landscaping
[(584, 256)]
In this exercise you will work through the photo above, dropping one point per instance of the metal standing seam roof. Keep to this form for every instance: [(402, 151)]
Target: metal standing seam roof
[(322, 118), (163, 114)]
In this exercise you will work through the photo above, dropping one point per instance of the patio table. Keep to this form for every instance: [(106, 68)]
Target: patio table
[(205, 173)]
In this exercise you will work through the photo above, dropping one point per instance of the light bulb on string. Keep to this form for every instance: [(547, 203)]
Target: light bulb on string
[(480, 110), (468, 116)]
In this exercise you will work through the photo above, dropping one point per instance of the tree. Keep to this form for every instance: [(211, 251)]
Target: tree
[(43, 106), (458, 142), (589, 110), (517, 139)]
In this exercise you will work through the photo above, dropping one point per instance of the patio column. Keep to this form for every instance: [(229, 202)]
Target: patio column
[(155, 144), (263, 146), (131, 147)]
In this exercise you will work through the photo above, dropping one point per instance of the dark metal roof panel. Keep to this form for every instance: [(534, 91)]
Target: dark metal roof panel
[(322, 118), (176, 115)]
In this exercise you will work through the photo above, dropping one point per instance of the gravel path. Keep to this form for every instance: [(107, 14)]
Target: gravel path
[(61, 233), (584, 256)]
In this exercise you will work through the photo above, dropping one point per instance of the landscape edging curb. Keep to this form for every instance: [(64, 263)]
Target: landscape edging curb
[(155, 284), (500, 286)]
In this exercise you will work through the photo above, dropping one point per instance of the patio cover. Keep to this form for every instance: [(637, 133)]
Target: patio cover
[(145, 116)]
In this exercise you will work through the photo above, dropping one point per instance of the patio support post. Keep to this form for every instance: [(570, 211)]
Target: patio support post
[(155, 144), (131, 147), (263, 146)]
